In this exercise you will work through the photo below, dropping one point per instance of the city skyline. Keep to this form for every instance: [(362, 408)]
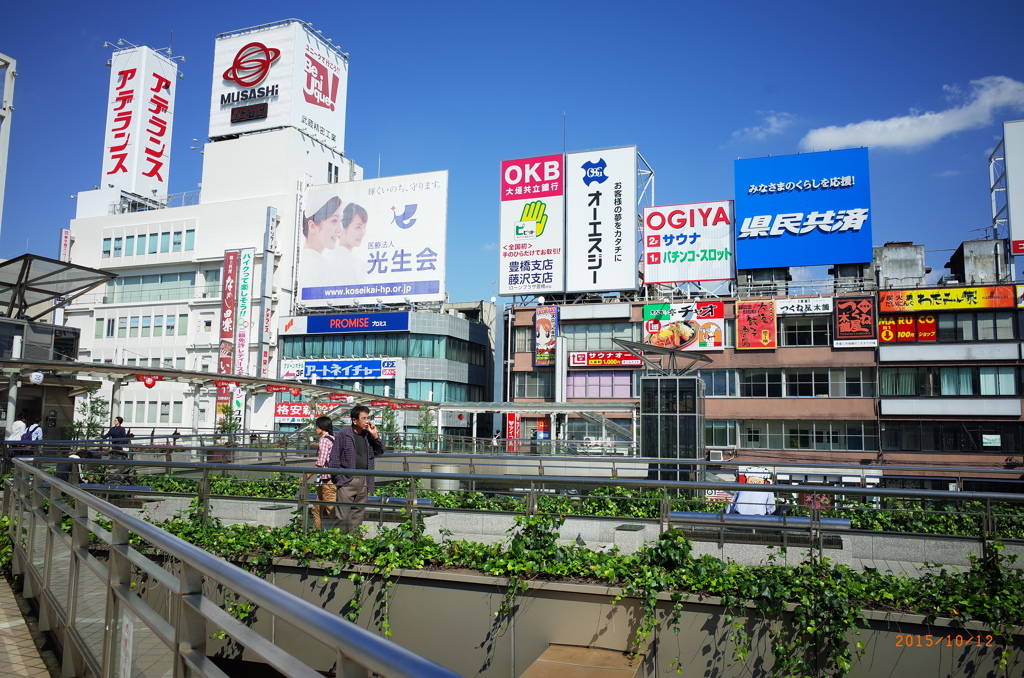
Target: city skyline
[(464, 87)]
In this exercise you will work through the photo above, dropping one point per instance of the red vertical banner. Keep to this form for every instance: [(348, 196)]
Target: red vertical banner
[(755, 325), (512, 430), (926, 327), (228, 304)]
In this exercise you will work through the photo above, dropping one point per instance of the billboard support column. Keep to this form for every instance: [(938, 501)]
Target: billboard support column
[(561, 373), (196, 394), (266, 285)]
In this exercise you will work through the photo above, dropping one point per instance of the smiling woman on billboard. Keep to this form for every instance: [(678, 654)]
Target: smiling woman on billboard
[(321, 228), (348, 261)]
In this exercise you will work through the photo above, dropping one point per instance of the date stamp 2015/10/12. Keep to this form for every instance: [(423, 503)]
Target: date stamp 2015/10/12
[(911, 640)]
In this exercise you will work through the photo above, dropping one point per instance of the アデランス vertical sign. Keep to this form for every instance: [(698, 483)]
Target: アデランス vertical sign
[(140, 113), (600, 220), (532, 237)]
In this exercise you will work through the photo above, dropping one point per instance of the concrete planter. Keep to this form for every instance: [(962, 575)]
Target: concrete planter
[(450, 618)]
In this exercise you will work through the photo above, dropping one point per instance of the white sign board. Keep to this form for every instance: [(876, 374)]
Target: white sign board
[(377, 240), (140, 112), (280, 75), (1013, 154), (689, 243), (600, 221)]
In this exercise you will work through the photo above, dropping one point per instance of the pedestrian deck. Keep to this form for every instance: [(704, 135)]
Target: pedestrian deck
[(18, 651)]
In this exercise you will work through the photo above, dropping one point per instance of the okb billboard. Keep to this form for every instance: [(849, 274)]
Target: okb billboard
[(803, 210), (568, 223), (532, 226)]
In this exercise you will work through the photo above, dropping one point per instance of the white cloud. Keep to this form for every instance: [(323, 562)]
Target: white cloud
[(948, 173), (774, 123), (490, 247), (917, 129)]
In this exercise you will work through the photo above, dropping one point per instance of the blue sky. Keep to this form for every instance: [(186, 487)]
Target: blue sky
[(464, 85)]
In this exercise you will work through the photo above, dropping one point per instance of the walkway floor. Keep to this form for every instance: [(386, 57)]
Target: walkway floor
[(19, 654)]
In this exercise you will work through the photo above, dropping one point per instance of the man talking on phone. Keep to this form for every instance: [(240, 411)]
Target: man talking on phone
[(356, 448)]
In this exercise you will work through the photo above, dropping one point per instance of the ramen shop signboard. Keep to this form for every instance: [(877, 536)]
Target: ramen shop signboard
[(694, 326)]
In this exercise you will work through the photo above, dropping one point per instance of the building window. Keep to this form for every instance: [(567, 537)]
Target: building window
[(523, 339), (807, 331), (153, 243), (949, 381), (129, 245), (117, 246), (176, 241), (165, 412), (595, 336), (122, 328), (110, 327), (616, 384), (190, 240), (720, 433), (106, 248), (853, 382), (165, 241), (182, 324), (719, 383), (134, 328), (99, 327), (179, 363), (806, 383), (534, 384), (177, 412), (983, 326), (761, 383), (141, 249), (147, 322), (158, 326)]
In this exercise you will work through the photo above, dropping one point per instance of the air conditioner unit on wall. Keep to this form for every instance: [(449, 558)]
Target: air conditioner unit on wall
[(715, 455)]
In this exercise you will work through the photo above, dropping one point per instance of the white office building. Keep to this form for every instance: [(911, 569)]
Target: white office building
[(277, 127)]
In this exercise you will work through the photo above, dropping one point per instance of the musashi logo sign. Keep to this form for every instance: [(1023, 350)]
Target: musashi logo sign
[(803, 210)]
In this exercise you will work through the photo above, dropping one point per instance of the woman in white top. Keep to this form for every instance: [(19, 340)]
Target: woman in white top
[(350, 266), (18, 427), (321, 226)]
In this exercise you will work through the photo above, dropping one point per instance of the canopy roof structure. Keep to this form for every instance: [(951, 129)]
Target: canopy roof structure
[(29, 285), (665, 360)]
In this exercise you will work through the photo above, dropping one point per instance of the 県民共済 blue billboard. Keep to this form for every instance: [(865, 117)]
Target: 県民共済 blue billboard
[(808, 209)]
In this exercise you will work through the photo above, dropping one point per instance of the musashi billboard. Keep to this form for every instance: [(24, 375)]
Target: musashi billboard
[(803, 210)]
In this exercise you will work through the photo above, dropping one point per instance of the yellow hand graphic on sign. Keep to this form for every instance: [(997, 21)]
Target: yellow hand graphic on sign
[(534, 211)]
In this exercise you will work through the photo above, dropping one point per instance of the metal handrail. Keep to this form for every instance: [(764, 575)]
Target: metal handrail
[(346, 638)]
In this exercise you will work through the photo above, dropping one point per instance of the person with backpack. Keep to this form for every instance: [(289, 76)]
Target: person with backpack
[(326, 490), (355, 447), (34, 433)]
